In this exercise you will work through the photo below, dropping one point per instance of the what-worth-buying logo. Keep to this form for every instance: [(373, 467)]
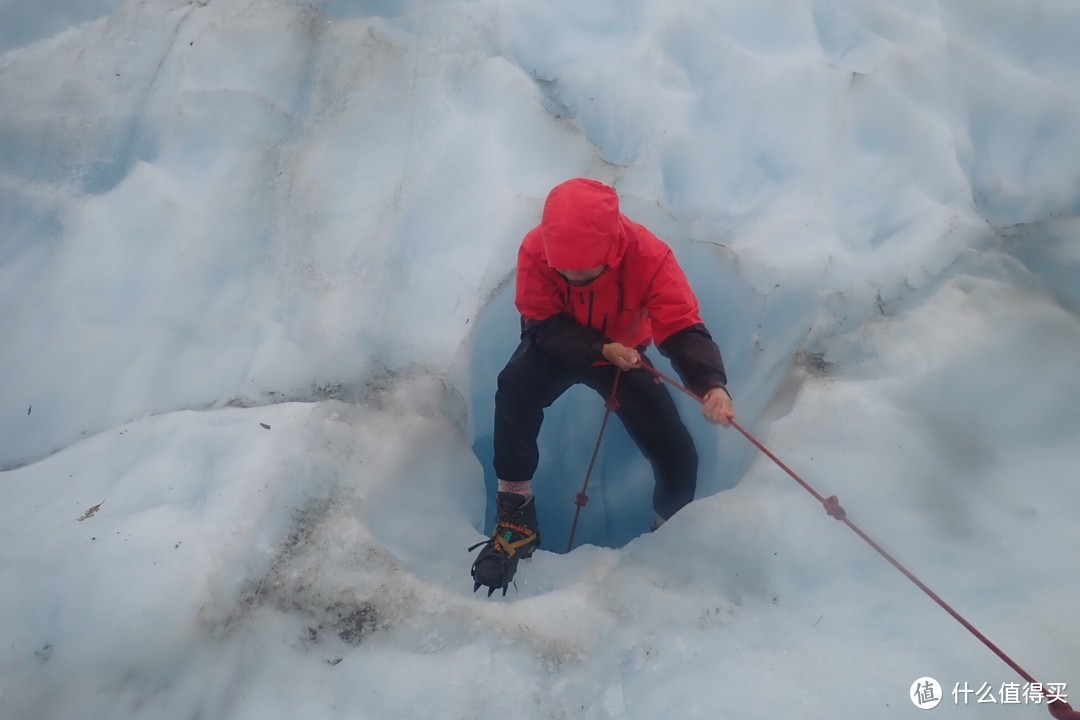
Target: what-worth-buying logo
[(926, 693)]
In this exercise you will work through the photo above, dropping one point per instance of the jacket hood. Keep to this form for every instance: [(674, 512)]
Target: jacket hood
[(581, 226)]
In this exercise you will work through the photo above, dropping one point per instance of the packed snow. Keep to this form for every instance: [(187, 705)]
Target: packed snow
[(257, 282)]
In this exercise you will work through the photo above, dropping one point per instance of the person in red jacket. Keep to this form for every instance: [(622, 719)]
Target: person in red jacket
[(594, 289)]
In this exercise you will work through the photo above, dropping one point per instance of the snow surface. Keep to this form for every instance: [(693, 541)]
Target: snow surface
[(256, 278)]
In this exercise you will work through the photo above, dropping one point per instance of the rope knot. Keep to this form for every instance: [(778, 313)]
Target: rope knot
[(833, 508), (582, 499)]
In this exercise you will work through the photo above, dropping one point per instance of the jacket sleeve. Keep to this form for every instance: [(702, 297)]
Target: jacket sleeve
[(696, 357), (536, 294), (670, 302), (563, 338), (679, 331)]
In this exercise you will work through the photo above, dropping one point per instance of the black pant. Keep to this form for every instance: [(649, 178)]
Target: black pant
[(533, 380)]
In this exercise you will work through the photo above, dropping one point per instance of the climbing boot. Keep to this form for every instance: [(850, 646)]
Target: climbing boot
[(516, 536)]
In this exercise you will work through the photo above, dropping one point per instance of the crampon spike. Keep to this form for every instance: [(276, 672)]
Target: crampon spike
[(491, 591), (476, 586)]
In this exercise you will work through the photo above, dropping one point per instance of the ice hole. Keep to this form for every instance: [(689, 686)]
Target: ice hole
[(621, 485)]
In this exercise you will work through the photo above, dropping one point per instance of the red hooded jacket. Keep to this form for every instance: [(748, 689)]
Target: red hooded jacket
[(642, 296)]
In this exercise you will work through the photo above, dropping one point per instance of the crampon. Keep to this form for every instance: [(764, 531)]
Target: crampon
[(515, 537)]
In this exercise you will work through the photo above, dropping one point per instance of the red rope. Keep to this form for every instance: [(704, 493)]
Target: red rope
[(1058, 708), (582, 498)]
